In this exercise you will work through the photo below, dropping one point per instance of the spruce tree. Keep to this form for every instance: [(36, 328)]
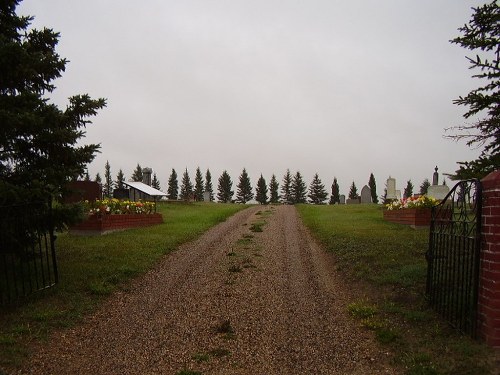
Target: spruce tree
[(424, 186), (208, 185), (408, 192), (373, 188), (137, 175), (87, 176), (41, 146), (186, 186), (335, 197), (225, 194), (298, 189), (155, 183), (353, 192), (120, 179), (273, 188), (261, 191), (198, 185), (317, 192), (244, 188), (108, 184), (98, 178), (286, 192), (173, 186)]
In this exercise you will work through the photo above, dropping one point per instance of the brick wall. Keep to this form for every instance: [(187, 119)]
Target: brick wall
[(107, 223), (489, 274)]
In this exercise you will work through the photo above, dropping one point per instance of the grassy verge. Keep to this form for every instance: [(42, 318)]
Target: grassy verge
[(90, 268), (387, 263)]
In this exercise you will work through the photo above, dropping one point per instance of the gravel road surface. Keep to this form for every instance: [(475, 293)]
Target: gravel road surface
[(253, 295)]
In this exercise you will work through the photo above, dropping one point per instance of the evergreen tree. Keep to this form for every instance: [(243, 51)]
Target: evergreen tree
[(286, 192), (40, 145), (208, 185), (424, 187), (373, 188), (120, 179), (98, 178), (298, 189), (87, 176), (335, 197), (137, 175), (155, 183), (198, 185), (482, 35), (108, 184), (173, 186), (317, 192), (225, 194), (261, 191), (186, 186), (244, 188), (408, 192), (273, 188), (353, 192)]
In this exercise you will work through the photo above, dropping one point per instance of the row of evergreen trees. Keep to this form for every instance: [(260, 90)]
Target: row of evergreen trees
[(293, 188)]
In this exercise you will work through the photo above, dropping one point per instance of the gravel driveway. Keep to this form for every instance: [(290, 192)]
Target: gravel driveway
[(236, 301)]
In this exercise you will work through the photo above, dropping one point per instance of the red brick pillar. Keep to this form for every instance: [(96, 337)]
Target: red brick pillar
[(489, 273)]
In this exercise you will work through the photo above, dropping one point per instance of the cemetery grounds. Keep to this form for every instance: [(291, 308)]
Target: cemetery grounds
[(254, 294)]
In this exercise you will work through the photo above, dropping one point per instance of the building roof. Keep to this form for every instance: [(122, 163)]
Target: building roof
[(145, 189)]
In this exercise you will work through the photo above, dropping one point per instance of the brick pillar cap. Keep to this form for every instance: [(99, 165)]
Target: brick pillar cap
[(492, 179)]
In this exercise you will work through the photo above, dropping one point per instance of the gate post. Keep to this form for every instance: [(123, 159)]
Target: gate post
[(489, 273)]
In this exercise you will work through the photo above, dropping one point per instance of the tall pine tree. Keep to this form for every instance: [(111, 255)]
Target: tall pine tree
[(137, 175), (198, 186), (120, 179), (373, 188), (186, 186), (108, 181), (244, 188), (317, 192), (273, 189), (353, 192), (173, 186), (335, 197), (224, 192), (286, 192), (424, 186), (298, 189), (155, 183), (208, 185), (408, 192), (261, 191)]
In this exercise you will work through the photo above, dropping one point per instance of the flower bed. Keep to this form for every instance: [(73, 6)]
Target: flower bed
[(415, 212), (111, 215)]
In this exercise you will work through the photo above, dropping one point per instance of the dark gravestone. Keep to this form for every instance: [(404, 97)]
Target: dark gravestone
[(121, 193), (82, 191)]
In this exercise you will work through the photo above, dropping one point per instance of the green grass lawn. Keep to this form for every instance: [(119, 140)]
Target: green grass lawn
[(386, 262), (90, 268)]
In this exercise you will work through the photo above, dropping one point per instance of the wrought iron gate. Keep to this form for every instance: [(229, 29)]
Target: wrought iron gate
[(453, 256), (27, 252)]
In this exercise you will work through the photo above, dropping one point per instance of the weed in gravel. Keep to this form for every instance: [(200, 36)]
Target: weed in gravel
[(257, 226), (188, 372), (224, 326), (386, 335), (201, 357), (231, 254), (219, 352), (235, 268), (362, 310)]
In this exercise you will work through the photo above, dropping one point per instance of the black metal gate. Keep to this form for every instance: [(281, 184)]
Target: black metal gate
[(27, 252), (453, 256)]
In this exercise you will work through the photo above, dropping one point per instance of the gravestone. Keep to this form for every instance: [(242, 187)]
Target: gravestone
[(206, 196), (342, 199), (391, 188), (121, 193), (435, 190), (366, 195), (78, 191), (353, 201)]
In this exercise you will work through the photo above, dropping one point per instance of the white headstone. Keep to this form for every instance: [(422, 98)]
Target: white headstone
[(391, 188), (206, 196), (342, 199), (438, 191)]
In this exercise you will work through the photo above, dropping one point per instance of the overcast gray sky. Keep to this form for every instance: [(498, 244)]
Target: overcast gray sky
[(341, 88)]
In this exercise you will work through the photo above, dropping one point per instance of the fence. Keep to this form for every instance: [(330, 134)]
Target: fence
[(27, 253), (454, 256)]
